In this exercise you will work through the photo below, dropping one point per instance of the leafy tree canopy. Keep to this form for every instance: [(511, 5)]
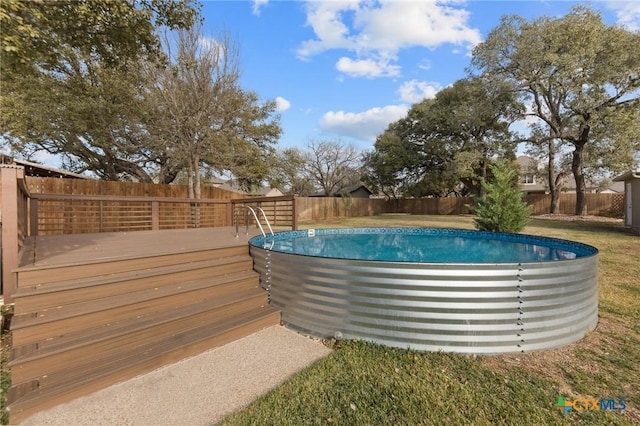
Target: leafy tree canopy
[(578, 76), (36, 35), (446, 141), (70, 84), (138, 117)]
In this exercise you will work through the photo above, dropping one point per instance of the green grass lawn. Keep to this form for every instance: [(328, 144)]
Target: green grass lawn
[(362, 383)]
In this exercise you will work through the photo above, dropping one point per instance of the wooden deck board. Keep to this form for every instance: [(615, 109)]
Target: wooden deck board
[(69, 249)]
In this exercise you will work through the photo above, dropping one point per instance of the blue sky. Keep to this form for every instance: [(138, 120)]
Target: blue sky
[(346, 69)]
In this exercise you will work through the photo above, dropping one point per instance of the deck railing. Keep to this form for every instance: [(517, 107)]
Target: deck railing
[(280, 211), (14, 222), (26, 214), (57, 214)]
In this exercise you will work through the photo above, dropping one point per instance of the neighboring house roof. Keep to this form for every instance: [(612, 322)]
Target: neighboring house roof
[(530, 181), (360, 189), (39, 170), (265, 191), (232, 185), (528, 164), (215, 181), (356, 191), (615, 188)]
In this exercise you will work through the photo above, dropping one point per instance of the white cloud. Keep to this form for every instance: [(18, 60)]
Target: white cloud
[(257, 5), (425, 65), (627, 12), (380, 29), (415, 91), (365, 125), (367, 68), (282, 104), (331, 32)]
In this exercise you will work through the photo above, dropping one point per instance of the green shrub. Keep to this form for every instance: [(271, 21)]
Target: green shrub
[(501, 208)]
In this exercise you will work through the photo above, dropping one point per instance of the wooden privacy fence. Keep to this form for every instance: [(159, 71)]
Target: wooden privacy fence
[(320, 208), (120, 189), (608, 205)]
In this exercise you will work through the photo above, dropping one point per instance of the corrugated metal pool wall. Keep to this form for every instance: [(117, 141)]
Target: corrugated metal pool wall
[(465, 308)]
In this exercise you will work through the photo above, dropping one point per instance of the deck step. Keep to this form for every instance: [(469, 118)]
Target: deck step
[(78, 328), (62, 320), (93, 280), (31, 276), (32, 396), (33, 362), (87, 289)]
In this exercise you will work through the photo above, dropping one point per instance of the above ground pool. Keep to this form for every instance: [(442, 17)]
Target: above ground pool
[(432, 289)]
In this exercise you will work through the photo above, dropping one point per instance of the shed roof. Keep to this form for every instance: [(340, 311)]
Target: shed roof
[(39, 170), (627, 176)]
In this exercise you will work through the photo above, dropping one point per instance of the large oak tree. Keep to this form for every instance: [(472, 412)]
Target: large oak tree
[(580, 77), (37, 35), (447, 141), (70, 84)]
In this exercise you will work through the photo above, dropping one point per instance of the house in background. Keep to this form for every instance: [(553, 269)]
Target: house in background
[(631, 180), (232, 185), (355, 191), (358, 190), (530, 181), (533, 178)]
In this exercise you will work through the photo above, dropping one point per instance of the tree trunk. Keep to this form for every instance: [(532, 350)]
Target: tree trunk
[(197, 191), (190, 183), (194, 191), (581, 187), (555, 197), (555, 200), (551, 178), (483, 178)]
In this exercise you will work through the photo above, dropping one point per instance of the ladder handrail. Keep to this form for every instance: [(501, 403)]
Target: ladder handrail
[(255, 216)]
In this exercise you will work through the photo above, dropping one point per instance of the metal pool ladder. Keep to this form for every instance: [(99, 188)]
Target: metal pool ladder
[(252, 210)]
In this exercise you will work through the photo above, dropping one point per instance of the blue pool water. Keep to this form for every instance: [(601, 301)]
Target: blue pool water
[(425, 245)]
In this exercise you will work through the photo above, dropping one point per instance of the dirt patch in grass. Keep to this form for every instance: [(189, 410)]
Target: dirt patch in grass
[(570, 364), (631, 250), (574, 218)]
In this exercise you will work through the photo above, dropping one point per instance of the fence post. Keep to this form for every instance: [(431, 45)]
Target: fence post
[(9, 223), (275, 213), (155, 215), (294, 214), (100, 216), (230, 208), (33, 219)]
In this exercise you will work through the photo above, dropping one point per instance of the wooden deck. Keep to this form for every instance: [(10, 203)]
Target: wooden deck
[(94, 309), (58, 250)]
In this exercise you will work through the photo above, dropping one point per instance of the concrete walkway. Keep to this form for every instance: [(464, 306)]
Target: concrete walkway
[(201, 390)]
